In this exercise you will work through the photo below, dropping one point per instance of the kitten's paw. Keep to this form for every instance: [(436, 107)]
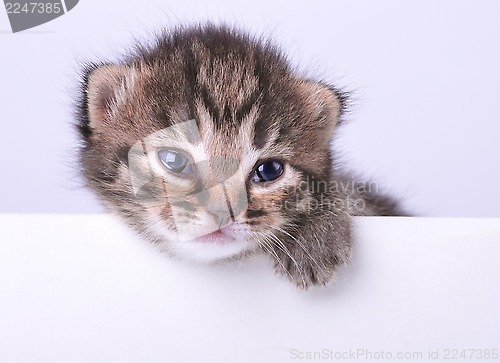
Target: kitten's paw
[(305, 276), (311, 256)]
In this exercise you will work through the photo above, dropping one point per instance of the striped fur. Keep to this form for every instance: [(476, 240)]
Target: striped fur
[(248, 106)]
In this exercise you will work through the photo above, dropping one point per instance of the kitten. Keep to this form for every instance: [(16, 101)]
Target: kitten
[(208, 145)]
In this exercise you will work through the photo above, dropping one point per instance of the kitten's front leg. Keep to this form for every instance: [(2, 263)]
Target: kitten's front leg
[(309, 255)]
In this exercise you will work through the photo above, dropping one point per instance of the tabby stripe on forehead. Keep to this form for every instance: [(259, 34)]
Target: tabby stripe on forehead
[(261, 133), (210, 106), (226, 116), (252, 100), (191, 75)]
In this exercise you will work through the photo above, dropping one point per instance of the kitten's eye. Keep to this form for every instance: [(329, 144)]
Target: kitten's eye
[(267, 171), (175, 161)]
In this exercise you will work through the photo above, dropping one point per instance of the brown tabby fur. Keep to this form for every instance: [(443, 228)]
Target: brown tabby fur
[(248, 106)]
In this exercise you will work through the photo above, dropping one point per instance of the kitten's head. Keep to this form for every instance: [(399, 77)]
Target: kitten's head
[(207, 142)]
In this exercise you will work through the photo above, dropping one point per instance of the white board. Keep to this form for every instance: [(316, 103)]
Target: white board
[(81, 288)]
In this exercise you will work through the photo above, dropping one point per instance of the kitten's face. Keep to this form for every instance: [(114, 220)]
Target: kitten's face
[(206, 143)]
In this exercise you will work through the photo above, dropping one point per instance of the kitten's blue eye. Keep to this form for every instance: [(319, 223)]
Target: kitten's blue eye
[(175, 161), (267, 171)]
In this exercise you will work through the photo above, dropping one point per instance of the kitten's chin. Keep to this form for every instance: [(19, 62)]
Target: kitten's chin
[(210, 248)]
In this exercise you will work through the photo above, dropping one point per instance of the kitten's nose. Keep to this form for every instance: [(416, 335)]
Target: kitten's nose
[(221, 217), (225, 205)]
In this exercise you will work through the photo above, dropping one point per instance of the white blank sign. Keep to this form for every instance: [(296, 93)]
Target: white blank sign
[(82, 288)]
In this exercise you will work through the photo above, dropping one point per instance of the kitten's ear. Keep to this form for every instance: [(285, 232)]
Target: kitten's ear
[(326, 104), (107, 88)]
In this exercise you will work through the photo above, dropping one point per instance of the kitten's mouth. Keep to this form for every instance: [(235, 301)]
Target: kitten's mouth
[(217, 237)]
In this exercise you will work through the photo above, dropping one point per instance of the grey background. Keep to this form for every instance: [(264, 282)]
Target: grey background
[(424, 76)]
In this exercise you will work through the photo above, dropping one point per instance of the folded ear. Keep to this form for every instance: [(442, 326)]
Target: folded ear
[(107, 88)]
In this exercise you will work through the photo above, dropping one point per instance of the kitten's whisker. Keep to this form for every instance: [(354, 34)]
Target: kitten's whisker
[(265, 243), (287, 252), (295, 228), (301, 245), (285, 249)]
